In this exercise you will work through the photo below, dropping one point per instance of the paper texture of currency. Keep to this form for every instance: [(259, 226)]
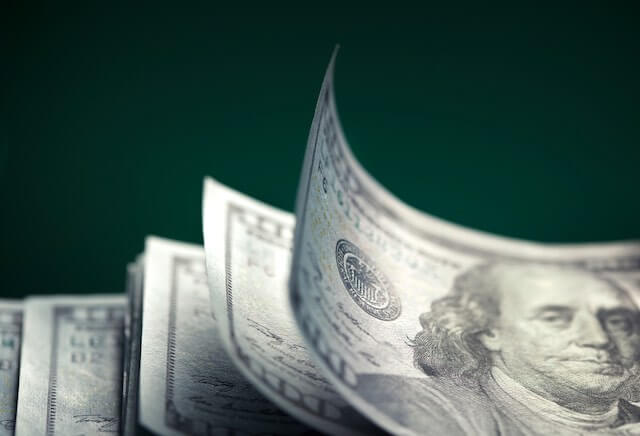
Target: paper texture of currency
[(188, 385), (430, 328), (71, 366), (10, 339), (248, 247)]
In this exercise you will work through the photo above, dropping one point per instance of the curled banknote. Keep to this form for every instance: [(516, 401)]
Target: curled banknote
[(430, 328)]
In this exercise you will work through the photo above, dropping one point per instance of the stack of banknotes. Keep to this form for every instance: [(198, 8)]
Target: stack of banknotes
[(357, 315)]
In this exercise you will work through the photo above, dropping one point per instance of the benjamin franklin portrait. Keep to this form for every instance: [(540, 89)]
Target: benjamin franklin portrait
[(518, 348)]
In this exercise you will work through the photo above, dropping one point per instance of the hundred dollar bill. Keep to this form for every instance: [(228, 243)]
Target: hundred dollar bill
[(10, 339), (132, 341), (431, 328), (71, 366), (188, 385), (248, 246)]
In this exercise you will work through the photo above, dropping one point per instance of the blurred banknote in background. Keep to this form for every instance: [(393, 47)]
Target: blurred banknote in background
[(188, 384), (71, 365), (132, 346), (10, 339)]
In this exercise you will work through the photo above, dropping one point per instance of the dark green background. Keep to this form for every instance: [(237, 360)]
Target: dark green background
[(521, 121)]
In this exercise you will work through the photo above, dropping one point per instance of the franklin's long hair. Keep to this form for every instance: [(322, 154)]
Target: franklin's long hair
[(448, 344)]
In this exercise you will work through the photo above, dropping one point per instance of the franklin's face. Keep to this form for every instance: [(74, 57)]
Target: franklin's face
[(564, 331)]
